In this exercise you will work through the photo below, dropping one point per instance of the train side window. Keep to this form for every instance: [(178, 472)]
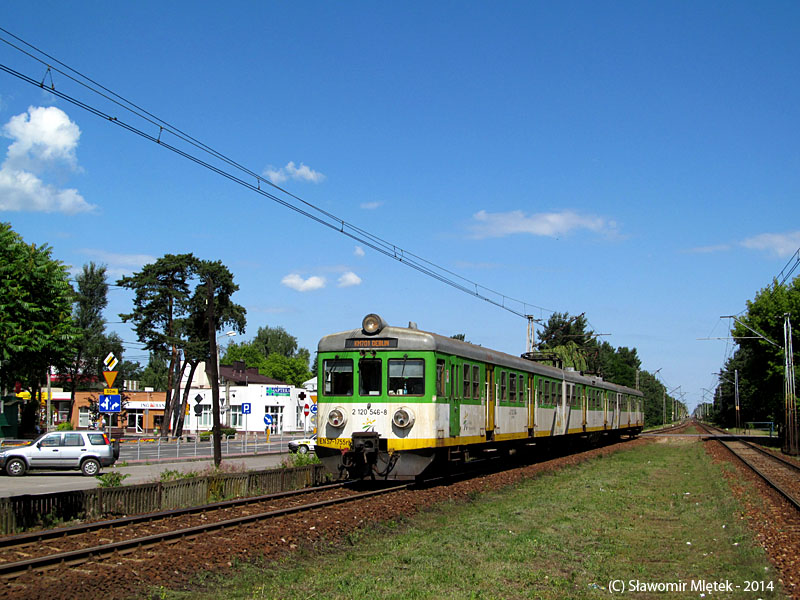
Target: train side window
[(512, 387), (558, 393), (503, 386), (440, 372), (338, 376), (476, 382), (467, 387), (546, 393), (406, 376), (521, 389), (369, 377)]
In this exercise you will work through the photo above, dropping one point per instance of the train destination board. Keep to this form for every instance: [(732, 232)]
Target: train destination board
[(371, 343)]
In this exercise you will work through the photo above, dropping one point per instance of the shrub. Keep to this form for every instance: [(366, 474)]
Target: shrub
[(224, 431), (64, 426), (111, 479), (300, 460), (173, 475)]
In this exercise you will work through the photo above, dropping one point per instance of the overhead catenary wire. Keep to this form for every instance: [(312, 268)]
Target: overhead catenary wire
[(229, 169)]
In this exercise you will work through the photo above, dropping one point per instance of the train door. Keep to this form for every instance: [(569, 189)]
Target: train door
[(455, 402), (557, 390), (530, 403), (569, 394), (615, 408), (490, 402), (582, 403)]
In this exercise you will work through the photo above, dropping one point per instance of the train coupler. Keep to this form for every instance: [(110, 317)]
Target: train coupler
[(362, 456)]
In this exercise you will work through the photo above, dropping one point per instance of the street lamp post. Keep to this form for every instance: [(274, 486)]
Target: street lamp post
[(227, 390)]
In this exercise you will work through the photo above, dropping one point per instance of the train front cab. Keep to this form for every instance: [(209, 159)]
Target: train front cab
[(376, 413)]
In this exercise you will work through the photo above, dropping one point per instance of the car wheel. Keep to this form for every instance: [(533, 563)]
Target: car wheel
[(303, 449), (16, 467), (90, 467)]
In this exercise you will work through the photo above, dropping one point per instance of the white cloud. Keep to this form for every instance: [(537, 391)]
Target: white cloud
[(359, 251), (296, 282), (43, 133), (542, 224), (24, 191), (778, 244), (292, 171), (43, 137), (349, 279), (119, 264), (371, 205)]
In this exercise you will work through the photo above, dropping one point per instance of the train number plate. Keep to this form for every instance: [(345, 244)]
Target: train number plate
[(334, 442)]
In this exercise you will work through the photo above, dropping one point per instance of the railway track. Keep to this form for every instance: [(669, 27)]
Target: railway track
[(780, 474), (72, 546)]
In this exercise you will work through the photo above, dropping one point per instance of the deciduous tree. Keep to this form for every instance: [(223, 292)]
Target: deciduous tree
[(36, 327)]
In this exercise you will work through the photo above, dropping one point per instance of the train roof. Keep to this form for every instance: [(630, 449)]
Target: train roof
[(411, 338)]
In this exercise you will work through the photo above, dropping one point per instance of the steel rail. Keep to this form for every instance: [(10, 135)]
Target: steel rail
[(792, 465), (16, 569), (23, 539), (774, 485)]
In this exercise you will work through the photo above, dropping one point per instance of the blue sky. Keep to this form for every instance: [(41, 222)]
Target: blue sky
[(636, 162)]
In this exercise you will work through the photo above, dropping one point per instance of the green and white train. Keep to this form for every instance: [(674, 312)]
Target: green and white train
[(394, 400)]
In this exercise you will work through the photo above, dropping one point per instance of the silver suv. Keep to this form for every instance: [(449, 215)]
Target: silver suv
[(84, 450)]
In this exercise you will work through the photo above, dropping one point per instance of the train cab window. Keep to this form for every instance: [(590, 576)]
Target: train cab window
[(338, 376), (467, 383), (476, 382), (521, 389), (406, 376), (369, 377), (512, 387)]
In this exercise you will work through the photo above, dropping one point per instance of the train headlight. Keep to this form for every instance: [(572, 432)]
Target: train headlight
[(403, 418), (337, 417), (372, 324)]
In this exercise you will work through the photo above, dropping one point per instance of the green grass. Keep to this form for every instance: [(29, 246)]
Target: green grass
[(657, 513)]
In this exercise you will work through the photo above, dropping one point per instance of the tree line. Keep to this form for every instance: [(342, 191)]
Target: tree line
[(758, 363)]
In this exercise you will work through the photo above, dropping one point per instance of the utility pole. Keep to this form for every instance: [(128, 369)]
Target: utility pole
[(736, 399), (531, 344), (790, 402), (212, 350)]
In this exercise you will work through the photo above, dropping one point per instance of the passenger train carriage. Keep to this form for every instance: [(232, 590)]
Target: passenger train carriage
[(392, 400)]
